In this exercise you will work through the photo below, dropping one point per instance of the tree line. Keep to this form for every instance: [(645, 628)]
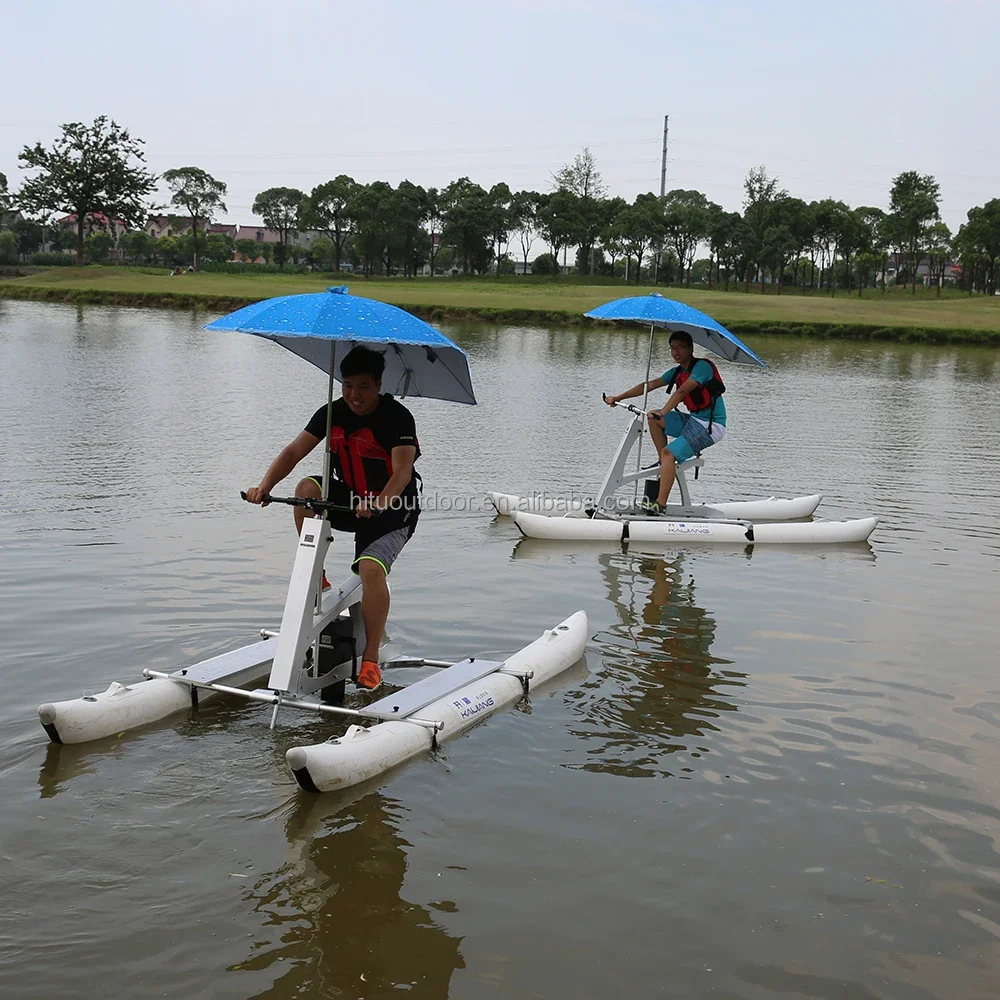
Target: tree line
[(98, 172)]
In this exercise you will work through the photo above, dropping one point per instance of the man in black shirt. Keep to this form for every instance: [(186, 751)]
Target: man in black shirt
[(373, 445)]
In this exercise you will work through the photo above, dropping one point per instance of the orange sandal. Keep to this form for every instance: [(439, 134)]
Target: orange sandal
[(369, 676)]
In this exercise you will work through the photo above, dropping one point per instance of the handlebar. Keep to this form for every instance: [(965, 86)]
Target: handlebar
[(316, 506), (627, 406)]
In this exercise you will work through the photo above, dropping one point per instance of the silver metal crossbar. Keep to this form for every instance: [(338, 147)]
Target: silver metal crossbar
[(277, 699)]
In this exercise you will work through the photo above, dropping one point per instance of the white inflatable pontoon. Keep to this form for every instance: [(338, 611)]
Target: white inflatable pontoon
[(486, 686), (656, 529)]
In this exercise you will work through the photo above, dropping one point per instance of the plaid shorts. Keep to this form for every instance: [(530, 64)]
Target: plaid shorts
[(689, 434)]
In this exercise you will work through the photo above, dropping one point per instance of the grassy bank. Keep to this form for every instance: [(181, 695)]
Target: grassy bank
[(894, 316)]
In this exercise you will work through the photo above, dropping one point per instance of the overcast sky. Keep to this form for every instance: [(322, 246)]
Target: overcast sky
[(835, 99)]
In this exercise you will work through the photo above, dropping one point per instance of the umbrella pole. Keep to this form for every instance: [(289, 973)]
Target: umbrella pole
[(326, 478), (645, 397), (329, 424)]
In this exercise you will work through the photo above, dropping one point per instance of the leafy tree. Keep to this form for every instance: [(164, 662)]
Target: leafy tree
[(280, 208), (137, 245), (499, 209), (96, 247), (323, 256), (524, 219), (610, 237), (686, 222), (978, 244), (419, 251), (4, 196), (167, 250), (29, 236), (849, 240), (61, 239), (544, 263), (506, 265), (760, 206), (870, 246), (219, 246), (559, 221), (938, 252), (830, 218), (445, 259), (725, 239), (409, 208), (801, 222), (248, 249), (90, 170), (913, 206), (370, 211), (638, 227), (327, 209), (777, 250), (200, 195), (701, 271), (8, 247), (582, 178), (435, 226), (465, 209)]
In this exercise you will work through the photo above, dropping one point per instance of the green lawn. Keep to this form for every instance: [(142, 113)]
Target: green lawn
[(518, 296)]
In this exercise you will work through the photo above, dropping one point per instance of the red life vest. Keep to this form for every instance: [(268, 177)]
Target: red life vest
[(704, 395), (363, 464)]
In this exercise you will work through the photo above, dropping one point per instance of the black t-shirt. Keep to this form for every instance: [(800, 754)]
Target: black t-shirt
[(361, 447)]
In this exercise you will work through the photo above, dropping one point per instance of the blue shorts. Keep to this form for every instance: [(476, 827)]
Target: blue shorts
[(690, 436)]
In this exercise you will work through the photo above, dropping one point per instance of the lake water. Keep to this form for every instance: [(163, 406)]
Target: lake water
[(775, 774)]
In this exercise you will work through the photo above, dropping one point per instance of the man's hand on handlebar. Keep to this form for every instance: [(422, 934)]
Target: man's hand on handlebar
[(256, 495)]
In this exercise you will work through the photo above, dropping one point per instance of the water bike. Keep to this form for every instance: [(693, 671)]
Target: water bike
[(308, 661), (612, 514)]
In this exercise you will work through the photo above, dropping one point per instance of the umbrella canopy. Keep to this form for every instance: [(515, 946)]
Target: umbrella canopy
[(656, 310), (323, 327)]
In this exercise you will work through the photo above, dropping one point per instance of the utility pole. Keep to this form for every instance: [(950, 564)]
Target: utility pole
[(663, 162), (663, 185)]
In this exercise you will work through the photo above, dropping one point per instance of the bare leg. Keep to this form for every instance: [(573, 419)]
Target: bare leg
[(374, 605), (306, 490), (668, 472), (659, 435)]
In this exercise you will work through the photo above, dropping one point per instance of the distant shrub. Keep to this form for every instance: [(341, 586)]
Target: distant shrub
[(53, 259), (8, 248), (238, 267), (544, 263)]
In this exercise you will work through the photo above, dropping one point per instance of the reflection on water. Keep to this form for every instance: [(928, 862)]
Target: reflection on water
[(333, 911), (660, 687), (672, 689)]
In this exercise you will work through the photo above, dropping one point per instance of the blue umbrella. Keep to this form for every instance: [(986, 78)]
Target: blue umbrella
[(323, 326), (656, 310)]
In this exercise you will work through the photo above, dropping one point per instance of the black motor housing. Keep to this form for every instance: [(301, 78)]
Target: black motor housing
[(337, 647)]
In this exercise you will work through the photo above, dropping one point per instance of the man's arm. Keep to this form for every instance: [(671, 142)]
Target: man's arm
[(403, 457), (287, 459), (636, 390), (675, 397)]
